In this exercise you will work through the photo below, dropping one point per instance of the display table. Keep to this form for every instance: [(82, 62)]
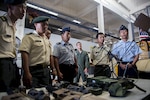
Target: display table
[(133, 94), (38, 89)]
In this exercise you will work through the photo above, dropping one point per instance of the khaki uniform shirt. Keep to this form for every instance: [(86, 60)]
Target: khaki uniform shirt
[(7, 38), (100, 55), (38, 48)]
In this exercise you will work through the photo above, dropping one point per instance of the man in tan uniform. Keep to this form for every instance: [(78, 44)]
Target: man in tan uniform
[(9, 74), (54, 72), (36, 51), (100, 58)]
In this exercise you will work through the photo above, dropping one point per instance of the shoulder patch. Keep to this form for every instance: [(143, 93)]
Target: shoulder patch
[(70, 44), (94, 46), (3, 18), (58, 43), (116, 42), (50, 43), (29, 33)]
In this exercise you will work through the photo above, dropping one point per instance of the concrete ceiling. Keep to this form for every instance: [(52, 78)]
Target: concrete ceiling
[(85, 11)]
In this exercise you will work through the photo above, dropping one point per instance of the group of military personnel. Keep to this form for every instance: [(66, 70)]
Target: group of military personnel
[(64, 61)]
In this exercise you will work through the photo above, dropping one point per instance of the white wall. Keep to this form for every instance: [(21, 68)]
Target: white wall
[(57, 38)]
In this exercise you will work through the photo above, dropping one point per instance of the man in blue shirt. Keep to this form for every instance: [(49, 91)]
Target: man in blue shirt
[(128, 54), (64, 57)]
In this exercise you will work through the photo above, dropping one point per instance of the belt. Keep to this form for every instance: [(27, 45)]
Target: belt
[(43, 65), (39, 66), (67, 65), (10, 59), (126, 62), (101, 65)]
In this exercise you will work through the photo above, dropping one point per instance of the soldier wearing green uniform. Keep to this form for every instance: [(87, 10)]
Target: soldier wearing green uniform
[(82, 61), (100, 57)]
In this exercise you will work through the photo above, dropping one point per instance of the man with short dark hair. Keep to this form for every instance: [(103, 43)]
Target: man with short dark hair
[(64, 57), (128, 53), (100, 57), (36, 51), (83, 63), (54, 72), (9, 73)]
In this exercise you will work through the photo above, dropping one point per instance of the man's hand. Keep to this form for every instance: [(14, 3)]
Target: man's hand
[(85, 70), (123, 66), (27, 79), (76, 69), (129, 65), (60, 75), (54, 72)]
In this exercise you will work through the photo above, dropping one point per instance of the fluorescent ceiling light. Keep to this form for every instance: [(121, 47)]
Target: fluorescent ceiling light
[(95, 28), (42, 9), (105, 2), (125, 16), (98, 1), (59, 29), (102, 1), (132, 20), (76, 21)]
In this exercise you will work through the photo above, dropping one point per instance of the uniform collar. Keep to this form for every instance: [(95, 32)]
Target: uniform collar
[(64, 43), (79, 51), (121, 41), (101, 46), (9, 20), (35, 33)]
